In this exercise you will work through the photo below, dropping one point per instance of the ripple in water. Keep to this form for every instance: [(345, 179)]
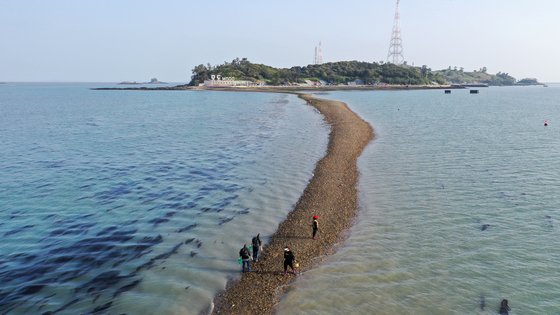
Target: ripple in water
[(459, 203), (136, 202)]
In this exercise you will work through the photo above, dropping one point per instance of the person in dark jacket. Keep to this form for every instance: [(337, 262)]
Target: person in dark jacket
[(315, 225), (257, 244), (504, 307), (245, 258), (289, 259)]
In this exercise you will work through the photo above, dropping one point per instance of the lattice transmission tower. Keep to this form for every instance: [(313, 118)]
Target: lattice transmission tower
[(318, 55), (395, 54)]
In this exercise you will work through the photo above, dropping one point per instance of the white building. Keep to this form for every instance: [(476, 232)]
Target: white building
[(218, 81)]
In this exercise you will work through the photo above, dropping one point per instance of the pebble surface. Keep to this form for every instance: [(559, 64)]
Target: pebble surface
[(331, 194)]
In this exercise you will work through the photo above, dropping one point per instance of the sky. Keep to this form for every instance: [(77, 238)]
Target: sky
[(135, 40)]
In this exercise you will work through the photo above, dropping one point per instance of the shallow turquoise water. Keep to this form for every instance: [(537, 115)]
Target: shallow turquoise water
[(138, 202), (460, 201)]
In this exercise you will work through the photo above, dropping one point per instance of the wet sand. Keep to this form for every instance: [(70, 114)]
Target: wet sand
[(331, 194)]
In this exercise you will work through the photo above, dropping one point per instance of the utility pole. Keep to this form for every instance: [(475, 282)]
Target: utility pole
[(395, 54), (318, 55)]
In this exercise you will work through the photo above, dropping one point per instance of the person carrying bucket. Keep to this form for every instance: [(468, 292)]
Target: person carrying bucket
[(245, 257), (289, 260)]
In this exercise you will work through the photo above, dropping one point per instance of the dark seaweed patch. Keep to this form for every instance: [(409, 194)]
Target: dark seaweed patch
[(42, 301), (198, 198), (225, 220), (15, 214), (186, 228), (52, 164), (31, 289), (149, 264), (18, 230), (78, 251), (153, 196), (176, 206), (102, 282), (147, 240), (127, 287), (74, 229), (107, 230), (190, 205), (169, 253), (117, 207), (178, 197), (200, 173), (244, 211), (158, 221), (65, 306), (225, 202), (38, 270), (111, 194), (102, 308)]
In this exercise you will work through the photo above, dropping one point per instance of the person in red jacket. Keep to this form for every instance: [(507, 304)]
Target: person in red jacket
[(315, 225)]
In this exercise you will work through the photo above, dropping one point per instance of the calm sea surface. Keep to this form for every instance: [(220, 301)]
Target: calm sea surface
[(138, 202), (460, 198)]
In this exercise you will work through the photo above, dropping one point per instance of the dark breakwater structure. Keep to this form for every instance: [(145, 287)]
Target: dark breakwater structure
[(331, 194)]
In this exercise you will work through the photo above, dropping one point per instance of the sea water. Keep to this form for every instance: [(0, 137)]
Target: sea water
[(460, 208), (138, 201)]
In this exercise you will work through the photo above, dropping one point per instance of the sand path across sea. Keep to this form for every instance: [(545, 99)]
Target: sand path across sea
[(331, 194)]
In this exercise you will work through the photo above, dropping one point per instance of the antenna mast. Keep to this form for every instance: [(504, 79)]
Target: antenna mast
[(395, 54), (318, 55)]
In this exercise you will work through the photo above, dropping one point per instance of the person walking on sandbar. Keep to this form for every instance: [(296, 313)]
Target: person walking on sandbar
[(245, 258), (257, 245), (289, 259), (315, 225)]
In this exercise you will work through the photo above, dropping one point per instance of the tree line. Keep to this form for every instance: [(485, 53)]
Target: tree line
[(343, 72)]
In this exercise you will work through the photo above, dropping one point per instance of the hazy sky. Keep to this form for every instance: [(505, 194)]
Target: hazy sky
[(117, 40)]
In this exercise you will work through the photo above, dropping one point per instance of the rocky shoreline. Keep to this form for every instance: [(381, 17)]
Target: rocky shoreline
[(331, 194), (287, 89)]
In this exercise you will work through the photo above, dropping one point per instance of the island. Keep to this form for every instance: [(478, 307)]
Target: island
[(350, 73), (341, 75), (529, 81), (152, 81)]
